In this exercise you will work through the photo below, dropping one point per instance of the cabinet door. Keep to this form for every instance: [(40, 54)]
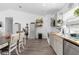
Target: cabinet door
[(59, 45), (70, 49), (51, 40)]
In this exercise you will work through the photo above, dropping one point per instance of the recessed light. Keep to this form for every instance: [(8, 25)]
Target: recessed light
[(20, 6)]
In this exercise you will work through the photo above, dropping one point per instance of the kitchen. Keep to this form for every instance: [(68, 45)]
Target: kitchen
[(49, 27), (66, 41)]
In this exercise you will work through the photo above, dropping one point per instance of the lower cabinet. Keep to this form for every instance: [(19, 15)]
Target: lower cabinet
[(70, 48), (62, 46), (57, 43), (51, 40)]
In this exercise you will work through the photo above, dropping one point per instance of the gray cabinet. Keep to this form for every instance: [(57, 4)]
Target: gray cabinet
[(70, 49)]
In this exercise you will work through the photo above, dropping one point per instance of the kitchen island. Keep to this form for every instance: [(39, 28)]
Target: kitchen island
[(63, 44)]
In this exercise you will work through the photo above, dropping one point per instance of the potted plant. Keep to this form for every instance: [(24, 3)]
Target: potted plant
[(59, 22), (76, 12)]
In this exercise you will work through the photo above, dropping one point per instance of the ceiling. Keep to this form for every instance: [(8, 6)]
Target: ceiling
[(35, 8)]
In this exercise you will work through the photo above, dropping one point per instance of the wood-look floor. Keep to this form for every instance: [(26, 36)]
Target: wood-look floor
[(37, 47)]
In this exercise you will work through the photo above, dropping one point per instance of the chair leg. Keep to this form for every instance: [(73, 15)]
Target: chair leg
[(19, 49), (9, 53), (0, 52), (24, 41), (22, 45), (16, 51)]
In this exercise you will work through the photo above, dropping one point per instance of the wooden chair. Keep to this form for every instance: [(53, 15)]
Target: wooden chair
[(24, 38), (12, 45), (22, 41)]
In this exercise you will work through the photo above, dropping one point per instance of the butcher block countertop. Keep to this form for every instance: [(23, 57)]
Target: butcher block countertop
[(67, 38)]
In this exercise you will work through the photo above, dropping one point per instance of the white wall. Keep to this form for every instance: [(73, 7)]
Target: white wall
[(46, 26), (23, 18), (18, 16)]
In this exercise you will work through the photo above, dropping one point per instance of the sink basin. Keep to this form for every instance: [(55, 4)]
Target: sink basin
[(75, 36)]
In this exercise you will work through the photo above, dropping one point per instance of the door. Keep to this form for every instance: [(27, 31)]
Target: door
[(16, 27), (32, 30), (9, 24)]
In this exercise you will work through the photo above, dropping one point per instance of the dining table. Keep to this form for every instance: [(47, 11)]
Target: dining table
[(3, 43)]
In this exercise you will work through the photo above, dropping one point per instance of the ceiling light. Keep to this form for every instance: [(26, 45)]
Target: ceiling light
[(20, 6)]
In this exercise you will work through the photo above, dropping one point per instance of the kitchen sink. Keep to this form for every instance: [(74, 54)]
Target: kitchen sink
[(75, 36)]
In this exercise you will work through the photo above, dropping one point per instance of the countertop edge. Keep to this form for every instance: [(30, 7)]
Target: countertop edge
[(66, 38)]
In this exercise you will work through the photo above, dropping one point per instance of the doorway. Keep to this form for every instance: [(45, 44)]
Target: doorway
[(9, 24)]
